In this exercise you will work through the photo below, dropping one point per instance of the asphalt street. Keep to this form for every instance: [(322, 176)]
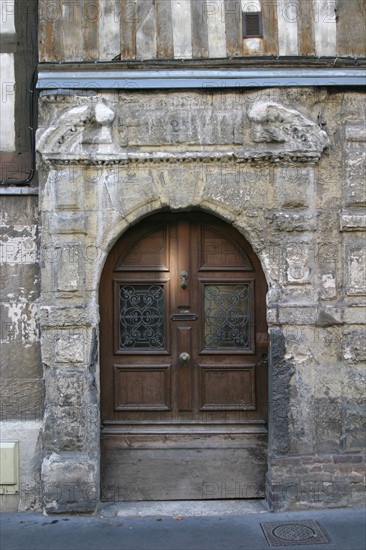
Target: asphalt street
[(340, 529)]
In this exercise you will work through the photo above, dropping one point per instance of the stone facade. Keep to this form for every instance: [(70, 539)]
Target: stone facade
[(291, 185), (285, 167)]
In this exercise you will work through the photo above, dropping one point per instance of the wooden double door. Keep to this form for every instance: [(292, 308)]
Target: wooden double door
[(183, 363)]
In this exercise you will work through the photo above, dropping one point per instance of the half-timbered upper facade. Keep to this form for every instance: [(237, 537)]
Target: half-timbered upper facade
[(110, 30)]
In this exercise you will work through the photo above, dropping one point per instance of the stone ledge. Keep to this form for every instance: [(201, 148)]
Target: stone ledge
[(317, 316), (59, 317), (237, 154), (352, 221)]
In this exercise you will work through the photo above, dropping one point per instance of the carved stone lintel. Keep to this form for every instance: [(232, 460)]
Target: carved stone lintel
[(86, 135)]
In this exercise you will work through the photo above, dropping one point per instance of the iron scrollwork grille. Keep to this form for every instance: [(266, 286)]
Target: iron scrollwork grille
[(141, 317), (226, 316)]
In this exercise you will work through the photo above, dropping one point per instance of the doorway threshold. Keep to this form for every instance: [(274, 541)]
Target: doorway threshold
[(182, 508)]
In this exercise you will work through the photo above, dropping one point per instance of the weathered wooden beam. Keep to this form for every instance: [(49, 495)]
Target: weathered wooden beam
[(234, 39), (351, 27), (270, 27), (164, 29), (50, 31), (72, 18), (128, 29), (92, 21), (199, 28), (305, 29)]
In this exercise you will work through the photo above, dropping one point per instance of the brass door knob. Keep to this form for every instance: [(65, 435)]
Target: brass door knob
[(184, 357)]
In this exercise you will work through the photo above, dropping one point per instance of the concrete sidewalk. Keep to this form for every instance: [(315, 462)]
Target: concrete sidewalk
[(186, 526)]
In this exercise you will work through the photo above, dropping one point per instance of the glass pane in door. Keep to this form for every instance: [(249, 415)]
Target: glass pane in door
[(226, 316)]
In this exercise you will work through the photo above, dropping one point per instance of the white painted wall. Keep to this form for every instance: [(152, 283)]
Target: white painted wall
[(325, 28), (27, 432), (182, 28), (109, 29), (7, 16), (216, 28), (287, 16), (7, 102)]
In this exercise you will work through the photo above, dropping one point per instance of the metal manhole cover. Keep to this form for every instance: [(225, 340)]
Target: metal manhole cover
[(291, 533)]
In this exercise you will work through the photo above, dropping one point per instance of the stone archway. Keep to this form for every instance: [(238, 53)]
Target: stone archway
[(93, 188)]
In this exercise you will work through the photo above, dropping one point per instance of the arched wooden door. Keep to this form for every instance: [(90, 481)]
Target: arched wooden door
[(183, 363)]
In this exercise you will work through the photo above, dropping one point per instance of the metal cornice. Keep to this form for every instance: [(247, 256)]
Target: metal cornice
[(65, 80)]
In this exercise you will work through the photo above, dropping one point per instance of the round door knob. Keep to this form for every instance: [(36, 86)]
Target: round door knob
[(184, 357)]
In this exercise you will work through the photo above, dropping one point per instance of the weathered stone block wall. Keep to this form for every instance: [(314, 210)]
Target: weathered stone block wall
[(21, 373), (286, 168)]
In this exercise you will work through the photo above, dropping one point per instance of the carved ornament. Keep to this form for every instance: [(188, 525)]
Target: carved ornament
[(286, 131), (84, 135)]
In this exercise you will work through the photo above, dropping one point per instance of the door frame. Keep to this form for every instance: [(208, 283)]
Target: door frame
[(258, 267)]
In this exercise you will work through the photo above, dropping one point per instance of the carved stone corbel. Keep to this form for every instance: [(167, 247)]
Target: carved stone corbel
[(285, 132), (81, 135)]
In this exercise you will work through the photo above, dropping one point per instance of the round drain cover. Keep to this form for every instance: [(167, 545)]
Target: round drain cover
[(292, 531)]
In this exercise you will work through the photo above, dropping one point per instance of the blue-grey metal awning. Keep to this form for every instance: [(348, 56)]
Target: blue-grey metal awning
[(198, 78)]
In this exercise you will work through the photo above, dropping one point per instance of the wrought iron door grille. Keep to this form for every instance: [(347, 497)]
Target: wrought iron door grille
[(226, 314), (141, 317)]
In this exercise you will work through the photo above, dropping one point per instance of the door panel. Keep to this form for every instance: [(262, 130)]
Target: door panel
[(183, 367), (231, 387), (142, 388)]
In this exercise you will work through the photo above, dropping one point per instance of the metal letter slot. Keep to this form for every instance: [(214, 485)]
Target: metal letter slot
[(184, 317)]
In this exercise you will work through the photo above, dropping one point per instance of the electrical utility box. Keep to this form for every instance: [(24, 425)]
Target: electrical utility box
[(9, 467)]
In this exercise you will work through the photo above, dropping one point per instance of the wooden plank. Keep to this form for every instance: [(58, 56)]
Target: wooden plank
[(199, 28), (287, 15), (226, 471), (351, 28), (270, 27), (216, 29), (182, 29), (50, 26), (146, 30), (306, 35), (72, 17), (164, 29), (325, 27), (109, 30), (184, 345), (183, 264), (233, 27), (128, 29), (91, 20)]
